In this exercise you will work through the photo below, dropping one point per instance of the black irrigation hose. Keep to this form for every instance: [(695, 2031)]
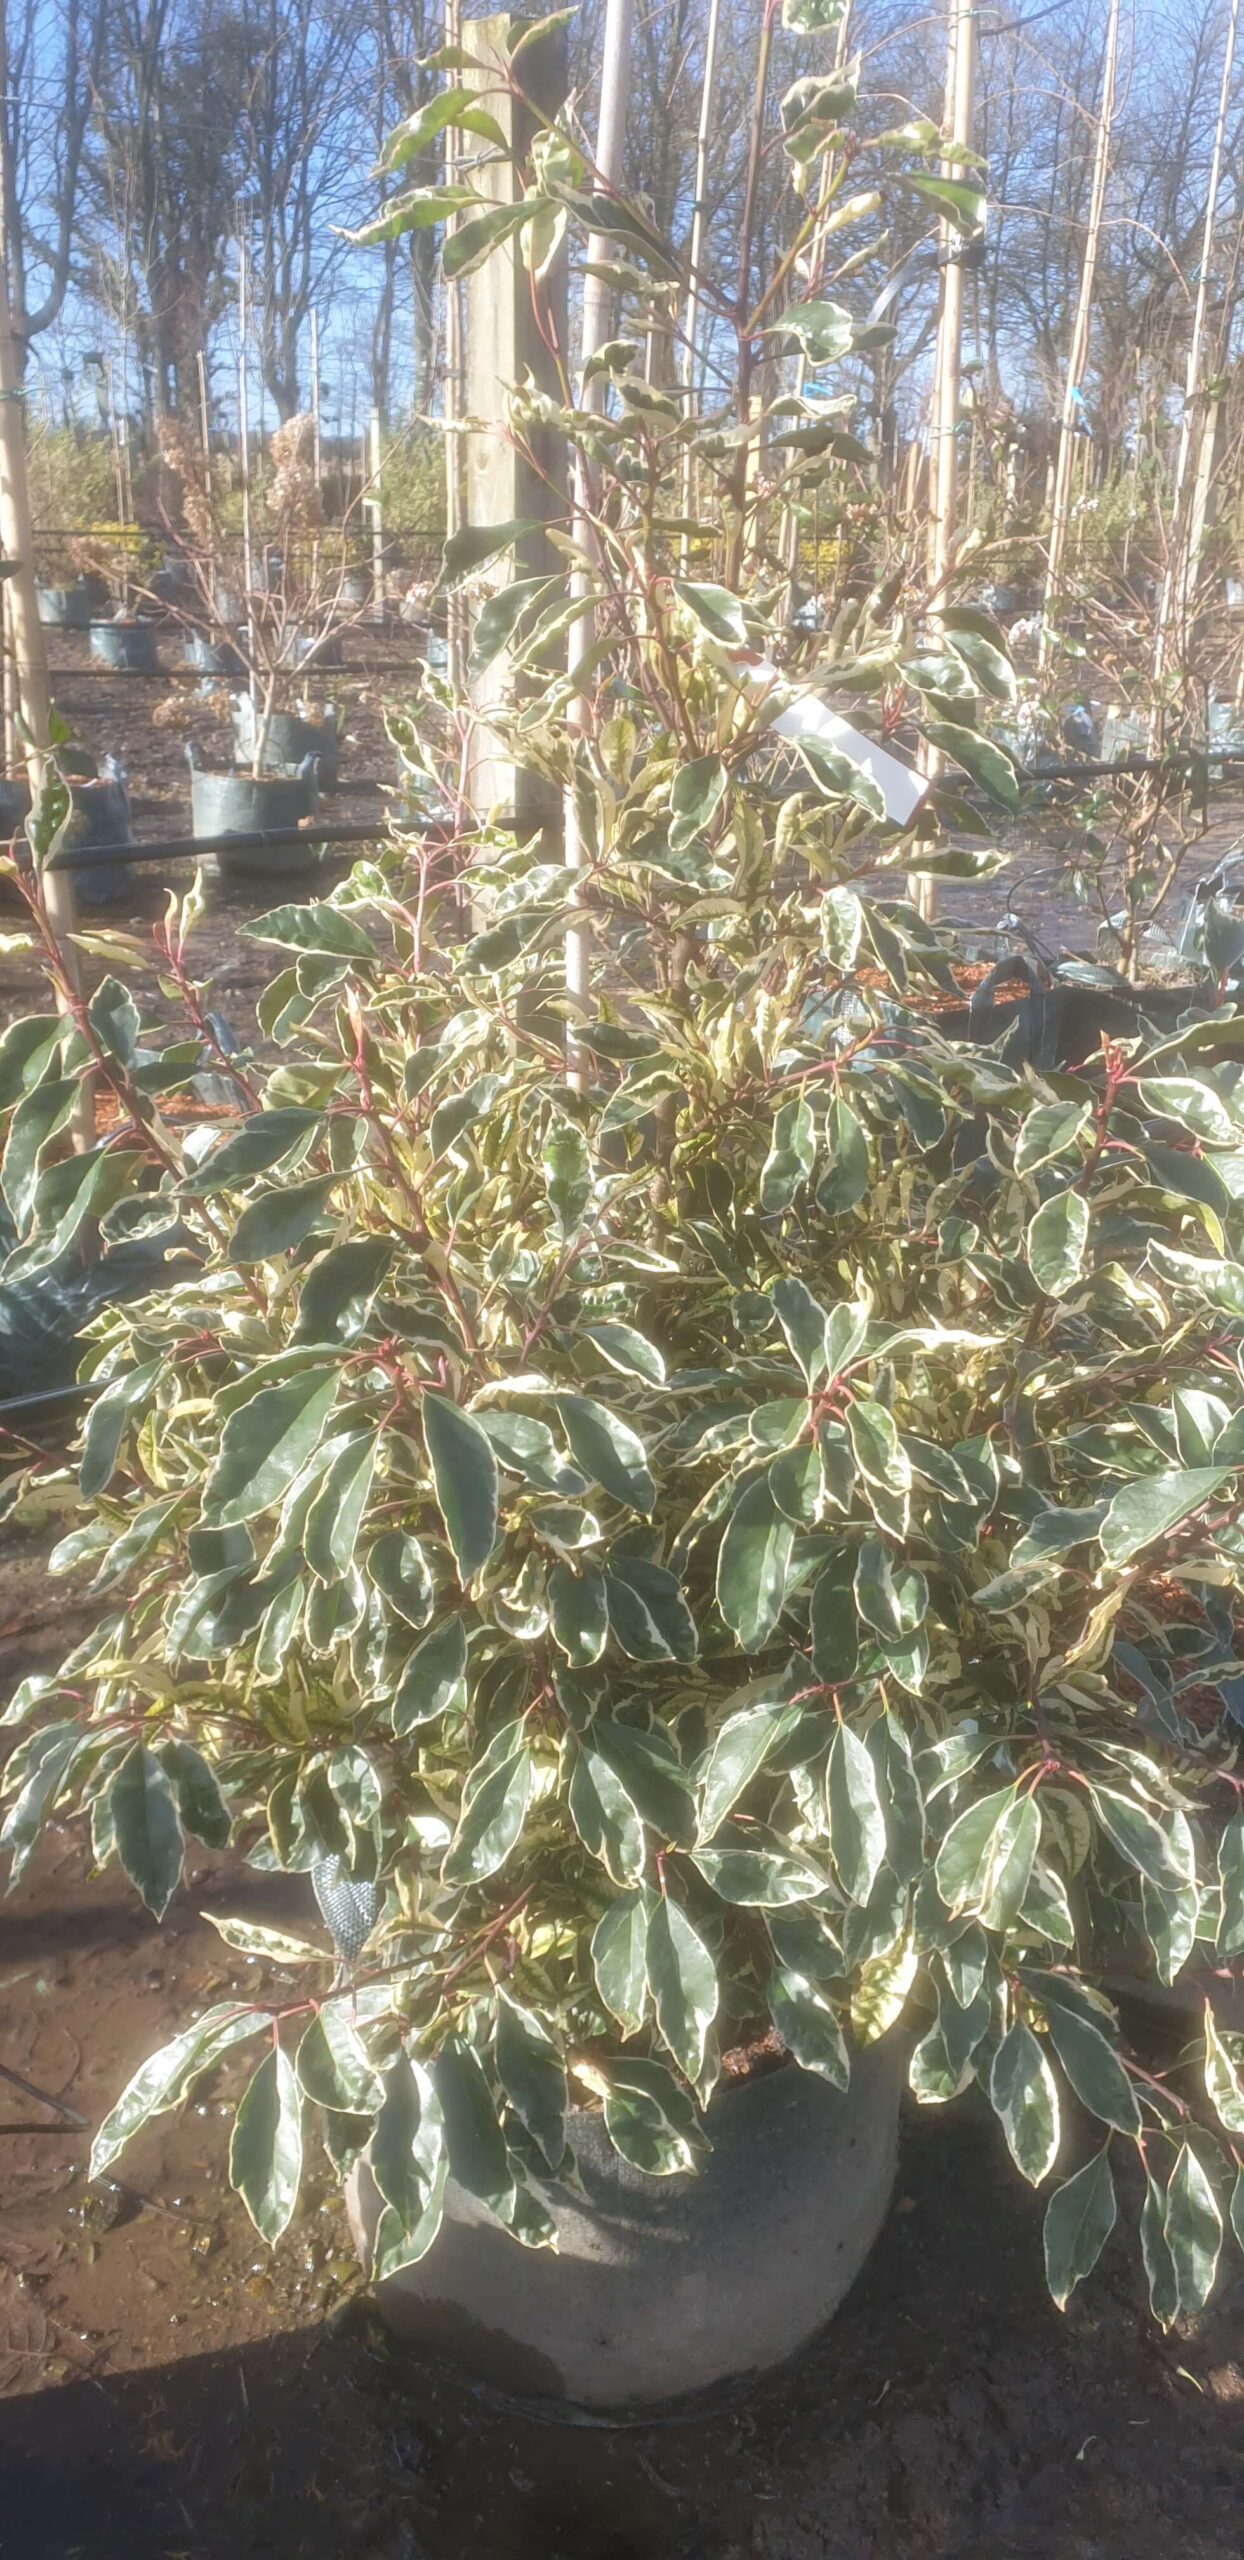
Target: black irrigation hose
[(65, 677), (191, 848)]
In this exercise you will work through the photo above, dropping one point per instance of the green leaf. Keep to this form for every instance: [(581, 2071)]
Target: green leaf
[(894, 1604), (605, 1816), (647, 1766), (399, 1569), (824, 330), (988, 764), (201, 1807), (878, 1452), (166, 2077), (255, 1938), (647, 1611), (277, 1220), (1231, 1880), (963, 205), (753, 1566), (578, 1612), (432, 1678), (339, 1287), (269, 1139), (808, 2025), (695, 798), (1057, 1238), (480, 544), (407, 2154), (1025, 2097), (107, 1423), (738, 1750), (527, 1449), (478, 2160), (834, 1626), (1222, 2077), (1094, 2069), (1163, 2293), (336, 1514), (495, 626), (1194, 1104), (38, 1117), (568, 1175), (754, 1867), (332, 2066), (854, 1814), (716, 610), (792, 1154), (627, 1350), (1158, 1852), (650, 2120), (967, 1853), (620, 1960), (533, 2076), (464, 1472), (609, 1452), (683, 1981), (1143, 1512), (803, 1321), (1051, 1130), (1079, 2219), (494, 1808), (983, 658), (1193, 2231), (265, 1443), (265, 2152), (146, 1828), (849, 1169)]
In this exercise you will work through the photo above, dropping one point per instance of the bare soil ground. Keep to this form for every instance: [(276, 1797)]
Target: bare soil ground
[(171, 2390)]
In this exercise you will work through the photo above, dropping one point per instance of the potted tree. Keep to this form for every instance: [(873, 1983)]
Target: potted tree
[(697, 1511)]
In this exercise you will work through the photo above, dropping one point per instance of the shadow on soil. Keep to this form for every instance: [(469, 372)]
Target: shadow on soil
[(949, 2414)]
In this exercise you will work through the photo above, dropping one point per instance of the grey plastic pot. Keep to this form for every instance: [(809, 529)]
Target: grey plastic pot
[(129, 645), (213, 657), (290, 740), (665, 2287), (356, 588), (312, 649), (65, 608), (101, 824), (245, 804)]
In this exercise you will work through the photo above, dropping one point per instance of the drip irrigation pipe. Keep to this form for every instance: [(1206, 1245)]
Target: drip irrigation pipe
[(192, 848)]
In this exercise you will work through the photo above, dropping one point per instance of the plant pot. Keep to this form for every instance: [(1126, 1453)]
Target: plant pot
[(312, 649), (290, 740), (14, 804), (214, 657), (245, 804), (127, 645), (661, 2287), (356, 588), (65, 608), (100, 824)]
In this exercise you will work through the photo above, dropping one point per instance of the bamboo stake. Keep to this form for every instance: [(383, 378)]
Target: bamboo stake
[(455, 482), (1078, 357), (597, 314), (692, 381), (944, 421), (315, 397), (1180, 563), (375, 515), (244, 434), (29, 664)]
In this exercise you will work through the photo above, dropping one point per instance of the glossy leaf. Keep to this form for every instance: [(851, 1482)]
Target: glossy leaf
[(265, 2151), (464, 1472)]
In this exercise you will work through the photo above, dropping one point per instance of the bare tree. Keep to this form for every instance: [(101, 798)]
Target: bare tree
[(49, 69)]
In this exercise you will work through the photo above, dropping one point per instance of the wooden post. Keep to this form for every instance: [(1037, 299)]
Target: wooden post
[(1173, 605), (455, 481), (944, 422), (1078, 356), (503, 343)]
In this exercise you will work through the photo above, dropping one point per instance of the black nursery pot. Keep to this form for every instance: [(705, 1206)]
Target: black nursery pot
[(662, 2287), (244, 804)]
